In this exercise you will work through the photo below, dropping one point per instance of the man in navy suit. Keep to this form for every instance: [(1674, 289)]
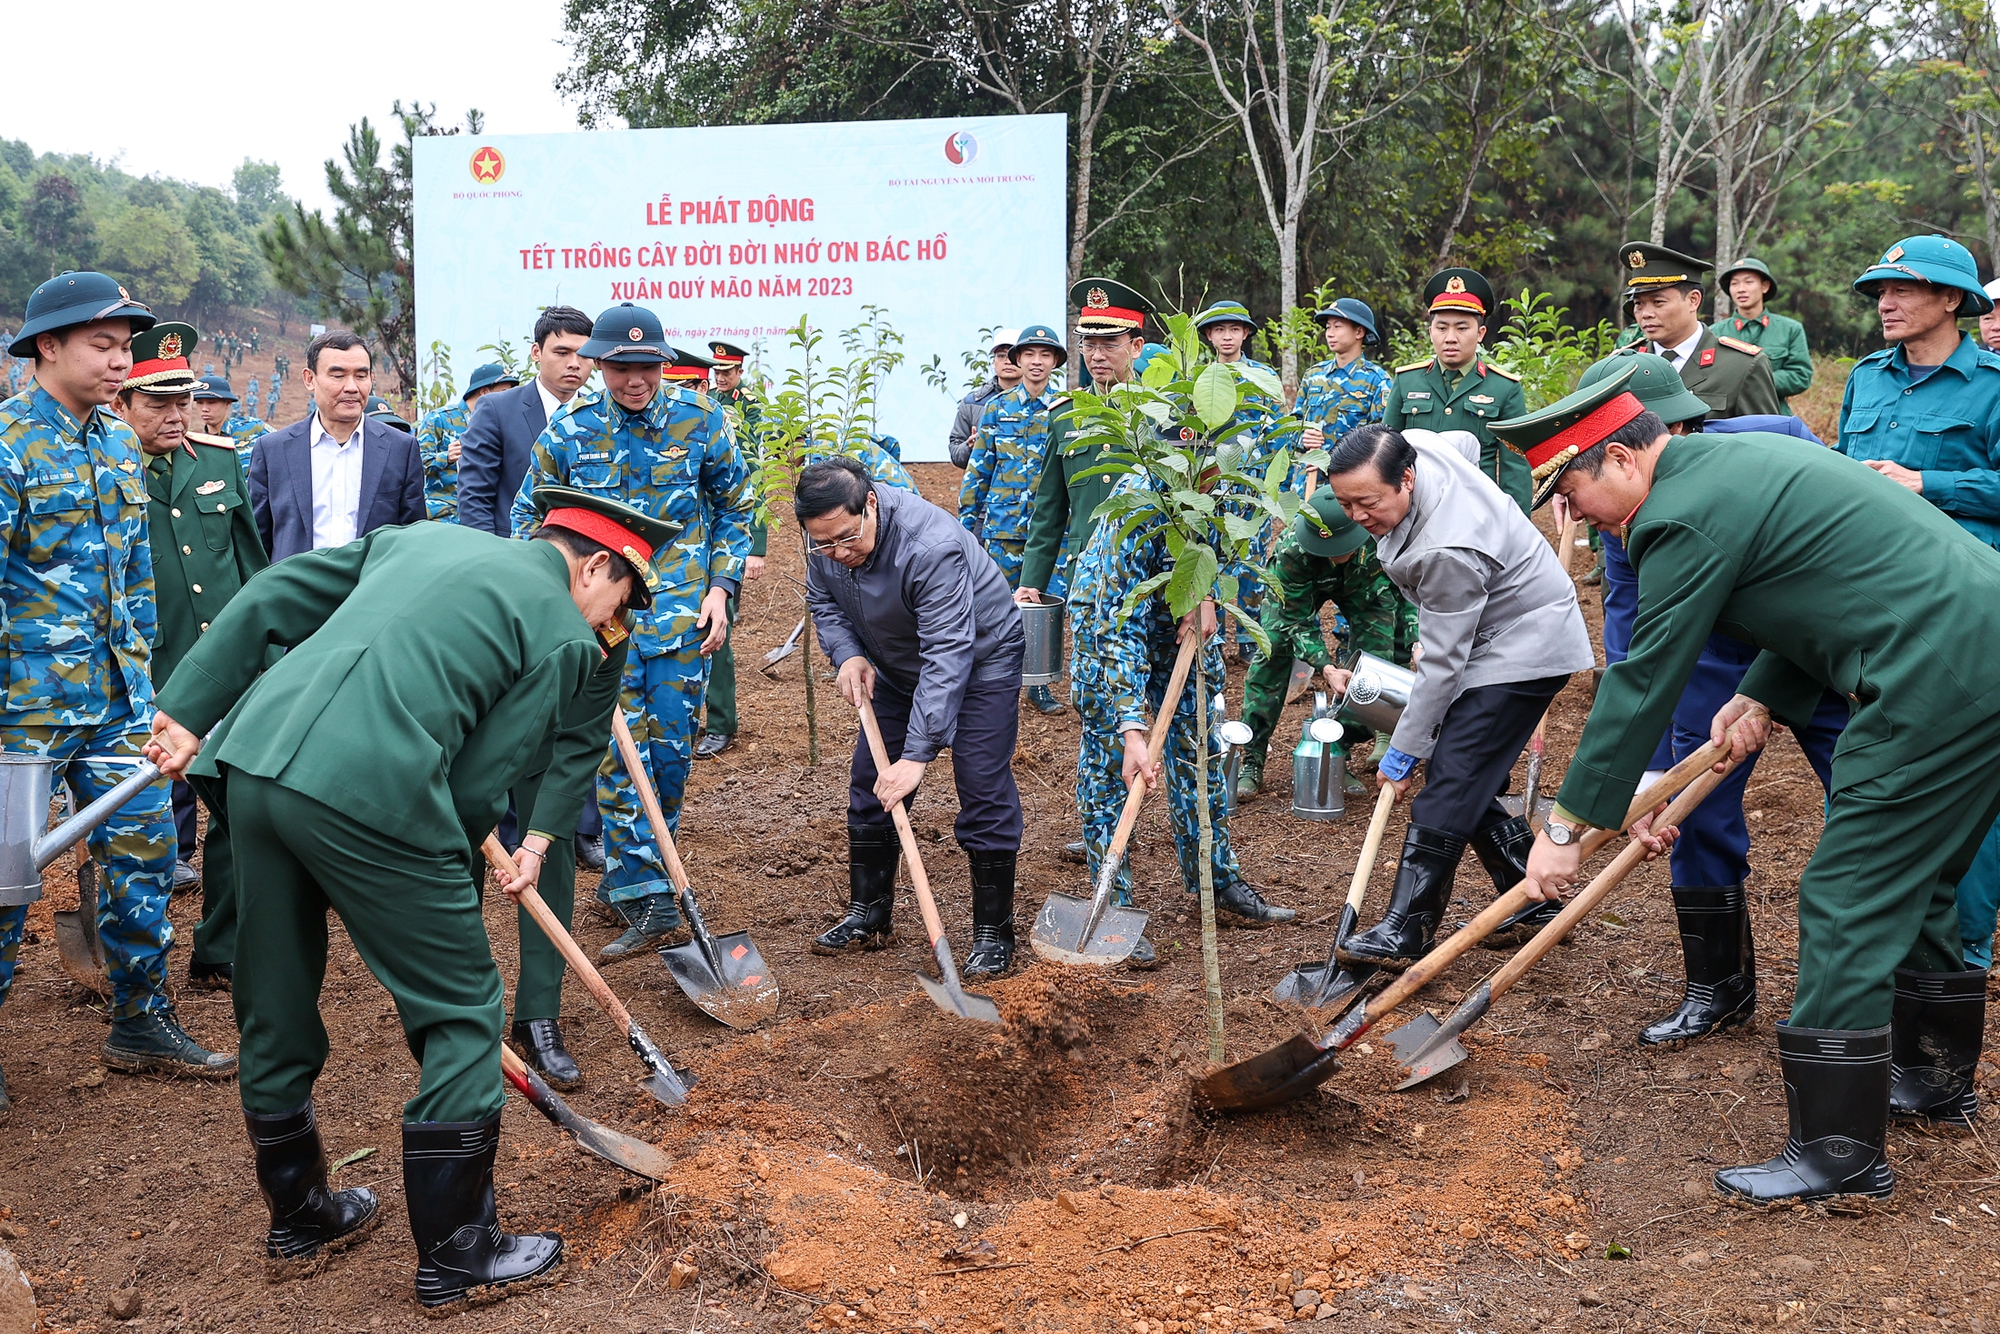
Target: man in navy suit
[(334, 476), (494, 452)]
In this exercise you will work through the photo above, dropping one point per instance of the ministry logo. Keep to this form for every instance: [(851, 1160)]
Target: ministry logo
[(960, 148), (488, 165)]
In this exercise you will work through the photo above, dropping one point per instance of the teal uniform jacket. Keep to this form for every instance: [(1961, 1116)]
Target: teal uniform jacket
[(1731, 376), (1783, 340), (1065, 504), (1945, 426), (1483, 393), (204, 539)]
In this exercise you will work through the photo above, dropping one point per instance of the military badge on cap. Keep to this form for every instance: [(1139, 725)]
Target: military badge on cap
[(1895, 253), (1105, 306), (160, 360), (635, 333), (1098, 301)]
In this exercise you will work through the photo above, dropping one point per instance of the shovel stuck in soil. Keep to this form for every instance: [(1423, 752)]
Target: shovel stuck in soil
[(1531, 802), (783, 651), (1095, 932), (593, 1137), (1315, 986), (725, 975), (77, 944)]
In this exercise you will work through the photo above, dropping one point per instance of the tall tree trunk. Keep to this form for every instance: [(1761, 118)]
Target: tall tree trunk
[(1982, 175)]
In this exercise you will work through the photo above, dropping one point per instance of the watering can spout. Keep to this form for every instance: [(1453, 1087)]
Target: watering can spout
[(71, 831)]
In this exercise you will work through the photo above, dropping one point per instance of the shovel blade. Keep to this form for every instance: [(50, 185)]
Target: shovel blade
[(1059, 932), (1516, 803), (619, 1149), (669, 1085), (1430, 1048), (78, 948), (1411, 1037), (964, 1004), (1319, 986), (1433, 1060), (742, 995), (1287, 1071)]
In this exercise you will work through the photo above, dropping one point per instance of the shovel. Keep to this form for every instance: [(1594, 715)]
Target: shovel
[(77, 944), (663, 1081), (783, 651), (1429, 1048), (946, 993), (1314, 986), (1096, 933), (593, 1137), (1301, 1063), (725, 975), (1531, 803), (1566, 544)]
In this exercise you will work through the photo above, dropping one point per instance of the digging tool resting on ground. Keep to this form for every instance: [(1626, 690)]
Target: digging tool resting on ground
[(593, 1137), (1318, 985)]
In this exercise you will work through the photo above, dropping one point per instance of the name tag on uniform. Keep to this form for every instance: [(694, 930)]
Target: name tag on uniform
[(1421, 393), (1482, 398), (593, 458), (210, 488)]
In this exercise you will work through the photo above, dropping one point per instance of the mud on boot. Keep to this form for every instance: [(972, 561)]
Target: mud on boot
[(1142, 959), (1245, 907), (154, 1042), (1935, 1030), (992, 915), (1721, 966), (1837, 1102), (462, 1255), (873, 853), (539, 1042), (1249, 779), (309, 1219), (648, 923), (1503, 851), (1416, 904)]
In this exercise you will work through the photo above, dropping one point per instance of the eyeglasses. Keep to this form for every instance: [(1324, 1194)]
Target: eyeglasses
[(838, 543)]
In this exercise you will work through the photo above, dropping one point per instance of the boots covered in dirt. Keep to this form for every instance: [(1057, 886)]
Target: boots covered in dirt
[(992, 915), (1249, 777), (1416, 905), (873, 854), (1935, 1033), (1837, 1099), (448, 1183), (1242, 906), (154, 1042), (1503, 851), (649, 921), (309, 1218), (1721, 966)]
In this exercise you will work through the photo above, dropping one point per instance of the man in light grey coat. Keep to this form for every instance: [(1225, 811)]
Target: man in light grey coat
[(1006, 374), (1500, 634), (918, 619)]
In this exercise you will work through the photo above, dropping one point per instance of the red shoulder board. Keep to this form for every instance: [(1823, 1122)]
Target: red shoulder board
[(1708, 356)]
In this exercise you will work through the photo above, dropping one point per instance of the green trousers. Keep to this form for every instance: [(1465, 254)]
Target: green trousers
[(1881, 890), (538, 992), (412, 913), (721, 716), (215, 937), (1264, 699)]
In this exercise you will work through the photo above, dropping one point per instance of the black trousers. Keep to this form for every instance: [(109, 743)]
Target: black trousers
[(982, 762), (1484, 732)]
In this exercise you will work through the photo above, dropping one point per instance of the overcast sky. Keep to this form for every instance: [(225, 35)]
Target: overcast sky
[(193, 90)]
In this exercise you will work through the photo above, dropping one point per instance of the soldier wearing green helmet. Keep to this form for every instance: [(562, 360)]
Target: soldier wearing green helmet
[(1783, 339)]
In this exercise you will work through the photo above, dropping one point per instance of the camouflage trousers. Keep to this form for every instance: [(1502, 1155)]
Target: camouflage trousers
[(1008, 552), (135, 848), (1100, 789), (661, 698)]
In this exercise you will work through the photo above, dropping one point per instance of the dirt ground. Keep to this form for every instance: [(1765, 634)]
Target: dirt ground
[(1065, 1183)]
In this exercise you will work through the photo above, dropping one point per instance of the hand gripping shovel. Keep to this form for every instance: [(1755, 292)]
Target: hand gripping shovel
[(593, 1137), (1300, 1064), (1315, 986), (663, 1081), (1098, 934), (725, 975), (946, 993), (1429, 1048)]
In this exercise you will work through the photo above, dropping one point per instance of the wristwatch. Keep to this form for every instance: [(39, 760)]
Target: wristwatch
[(1559, 833)]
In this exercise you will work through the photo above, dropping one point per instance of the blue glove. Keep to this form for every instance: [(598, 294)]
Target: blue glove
[(1396, 765)]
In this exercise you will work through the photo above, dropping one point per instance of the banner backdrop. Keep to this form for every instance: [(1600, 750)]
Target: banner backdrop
[(947, 226)]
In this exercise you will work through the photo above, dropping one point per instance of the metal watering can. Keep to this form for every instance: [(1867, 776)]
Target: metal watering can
[(1318, 787), (1042, 624), (25, 783), (1379, 692), (1233, 735)]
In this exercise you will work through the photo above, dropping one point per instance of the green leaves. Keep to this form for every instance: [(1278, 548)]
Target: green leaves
[(1215, 396), (1192, 579)]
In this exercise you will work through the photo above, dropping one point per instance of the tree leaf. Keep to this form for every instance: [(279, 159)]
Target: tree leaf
[(1259, 378), (1215, 396)]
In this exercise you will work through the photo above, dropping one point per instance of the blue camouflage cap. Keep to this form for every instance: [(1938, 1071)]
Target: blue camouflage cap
[(1930, 259), (487, 377), (214, 388), (1036, 335), (1357, 313), (72, 298), (628, 333)]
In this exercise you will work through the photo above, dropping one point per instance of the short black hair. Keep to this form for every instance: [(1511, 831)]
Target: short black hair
[(1389, 450), (583, 548), (1639, 433), (837, 483), (339, 340), (561, 319)]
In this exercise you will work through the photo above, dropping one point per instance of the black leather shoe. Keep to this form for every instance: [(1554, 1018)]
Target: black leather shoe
[(1244, 906), (211, 976), (1142, 959), (1721, 966), (872, 856), (461, 1251), (1044, 700), (1837, 1099), (590, 853), (1503, 851), (992, 915), (648, 922), (539, 1042), (309, 1218), (711, 745), (155, 1042), (1416, 905), (1935, 1030)]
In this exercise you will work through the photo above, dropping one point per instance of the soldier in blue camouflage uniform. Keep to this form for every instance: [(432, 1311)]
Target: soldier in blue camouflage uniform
[(438, 435), (668, 452), (76, 590), (1346, 390), (216, 402), (1255, 429)]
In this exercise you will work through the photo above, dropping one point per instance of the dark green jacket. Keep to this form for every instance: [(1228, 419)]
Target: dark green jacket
[(1844, 579), (1784, 342), (1484, 393), (204, 540), (1297, 584), (1731, 376), (1064, 505), (428, 668)]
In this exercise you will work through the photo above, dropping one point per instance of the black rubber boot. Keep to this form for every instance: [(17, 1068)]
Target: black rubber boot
[(539, 1042), (1837, 1099), (1721, 966), (308, 1217), (992, 915), (448, 1184), (211, 976), (1416, 905), (711, 745), (872, 856), (155, 1042), (1935, 1031), (1503, 851), (648, 923), (1244, 906)]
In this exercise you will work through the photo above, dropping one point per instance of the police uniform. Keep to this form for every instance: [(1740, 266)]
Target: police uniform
[(719, 704), (675, 460), (1338, 398), (1430, 395), (1781, 338), (1730, 374)]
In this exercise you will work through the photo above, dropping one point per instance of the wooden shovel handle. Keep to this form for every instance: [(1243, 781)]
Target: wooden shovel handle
[(560, 937), (1566, 544), (1156, 745), (1378, 824), (925, 903), (635, 768)]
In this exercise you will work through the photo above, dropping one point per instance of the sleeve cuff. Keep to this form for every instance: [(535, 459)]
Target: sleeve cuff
[(1397, 765)]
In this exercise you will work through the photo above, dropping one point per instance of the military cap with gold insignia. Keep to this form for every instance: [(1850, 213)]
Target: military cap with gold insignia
[(160, 360), (688, 367), (1107, 307), (1464, 291), (1648, 268), (71, 298), (1323, 528), (612, 524), (726, 354), (1553, 437)]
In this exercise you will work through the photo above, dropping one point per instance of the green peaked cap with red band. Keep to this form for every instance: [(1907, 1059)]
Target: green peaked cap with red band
[(632, 533), (1552, 437)]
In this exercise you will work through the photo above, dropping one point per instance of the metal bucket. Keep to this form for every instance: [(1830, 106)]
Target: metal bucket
[(1318, 785), (25, 781), (1234, 736), (1042, 623), (1379, 693)]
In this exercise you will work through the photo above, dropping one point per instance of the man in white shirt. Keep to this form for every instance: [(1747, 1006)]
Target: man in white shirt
[(494, 452)]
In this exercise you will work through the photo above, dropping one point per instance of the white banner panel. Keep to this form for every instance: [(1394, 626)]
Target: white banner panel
[(735, 232)]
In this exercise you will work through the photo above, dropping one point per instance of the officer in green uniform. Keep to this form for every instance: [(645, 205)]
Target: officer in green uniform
[(1782, 338), (1841, 578), (1456, 388), (1730, 375), (725, 381), (205, 547), (459, 656)]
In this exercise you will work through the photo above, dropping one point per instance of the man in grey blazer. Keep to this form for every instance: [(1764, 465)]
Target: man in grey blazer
[(494, 452), (335, 476)]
